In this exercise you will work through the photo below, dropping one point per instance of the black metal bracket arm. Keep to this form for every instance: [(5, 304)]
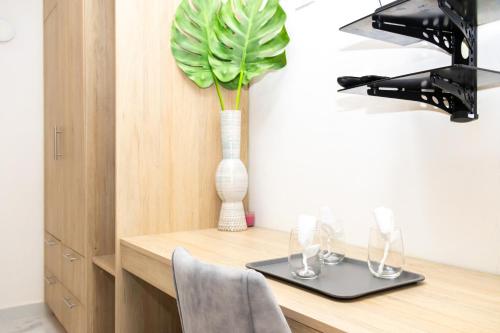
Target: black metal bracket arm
[(467, 95), (439, 91), (449, 24)]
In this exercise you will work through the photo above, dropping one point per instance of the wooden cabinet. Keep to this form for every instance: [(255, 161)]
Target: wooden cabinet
[(79, 153)]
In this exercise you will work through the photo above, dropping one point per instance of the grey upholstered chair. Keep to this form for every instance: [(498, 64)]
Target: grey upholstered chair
[(213, 299)]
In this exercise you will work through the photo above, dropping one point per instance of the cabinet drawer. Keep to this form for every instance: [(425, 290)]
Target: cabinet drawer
[(53, 294), (73, 273), (52, 251), (73, 312)]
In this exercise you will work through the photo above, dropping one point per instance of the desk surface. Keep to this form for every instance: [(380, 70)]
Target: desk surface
[(450, 300)]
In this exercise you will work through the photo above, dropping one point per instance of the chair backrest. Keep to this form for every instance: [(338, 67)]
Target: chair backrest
[(213, 299)]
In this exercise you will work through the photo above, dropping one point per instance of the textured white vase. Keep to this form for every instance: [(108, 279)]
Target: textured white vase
[(231, 179)]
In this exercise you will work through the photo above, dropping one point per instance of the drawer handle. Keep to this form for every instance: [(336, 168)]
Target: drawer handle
[(50, 280), (57, 154), (69, 304), (50, 242), (69, 257)]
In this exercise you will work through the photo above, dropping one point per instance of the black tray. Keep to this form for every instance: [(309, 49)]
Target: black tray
[(347, 280)]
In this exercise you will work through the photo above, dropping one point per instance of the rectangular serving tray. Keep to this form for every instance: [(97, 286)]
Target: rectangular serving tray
[(349, 279)]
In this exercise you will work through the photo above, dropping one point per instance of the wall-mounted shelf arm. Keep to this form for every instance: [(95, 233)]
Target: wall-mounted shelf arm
[(435, 96), (444, 23), (445, 38), (464, 18), (465, 94), (452, 88)]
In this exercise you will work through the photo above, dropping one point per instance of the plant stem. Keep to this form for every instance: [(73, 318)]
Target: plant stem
[(240, 82), (221, 100)]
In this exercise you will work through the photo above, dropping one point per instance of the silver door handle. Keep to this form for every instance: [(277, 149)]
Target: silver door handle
[(69, 257), (50, 242), (57, 154), (50, 280), (69, 304)]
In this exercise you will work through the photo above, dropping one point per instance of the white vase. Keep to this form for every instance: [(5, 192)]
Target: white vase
[(231, 179)]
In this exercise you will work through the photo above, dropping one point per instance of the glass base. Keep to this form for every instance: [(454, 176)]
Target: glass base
[(387, 273), (305, 274), (332, 258)]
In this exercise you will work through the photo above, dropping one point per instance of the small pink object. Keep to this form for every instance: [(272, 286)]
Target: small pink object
[(250, 217)]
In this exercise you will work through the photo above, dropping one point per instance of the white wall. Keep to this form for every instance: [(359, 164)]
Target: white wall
[(311, 146), (21, 166)]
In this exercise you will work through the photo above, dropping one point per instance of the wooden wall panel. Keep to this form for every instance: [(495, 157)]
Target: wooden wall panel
[(103, 316), (147, 309), (53, 113), (99, 93), (48, 6), (72, 140), (167, 139), (100, 124)]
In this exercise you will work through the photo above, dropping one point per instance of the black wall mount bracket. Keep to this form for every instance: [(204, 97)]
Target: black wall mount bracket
[(449, 24), (452, 29)]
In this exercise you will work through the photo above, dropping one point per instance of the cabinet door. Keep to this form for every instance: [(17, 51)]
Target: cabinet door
[(73, 137), (53, 122)]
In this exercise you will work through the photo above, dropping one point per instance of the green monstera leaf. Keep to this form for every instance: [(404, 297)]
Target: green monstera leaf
[(251, 37), (192, 32)]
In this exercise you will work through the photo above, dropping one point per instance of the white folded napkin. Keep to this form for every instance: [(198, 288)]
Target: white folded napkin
[(384, 217)]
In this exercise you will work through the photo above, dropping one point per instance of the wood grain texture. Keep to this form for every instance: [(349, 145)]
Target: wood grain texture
[(72, 312), (147, 267), (80, 100), (147, 309), (106, 263), (450, 300), (297, 327), (100, 124), (52, 293), (72, 141), (168, 142), (53, 105), (48, 6), (100, 127), (168, 134), (52, 255), (103, 318), (74, 273)]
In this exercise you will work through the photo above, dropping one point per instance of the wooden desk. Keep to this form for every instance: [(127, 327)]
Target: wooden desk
[(450, 300)]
